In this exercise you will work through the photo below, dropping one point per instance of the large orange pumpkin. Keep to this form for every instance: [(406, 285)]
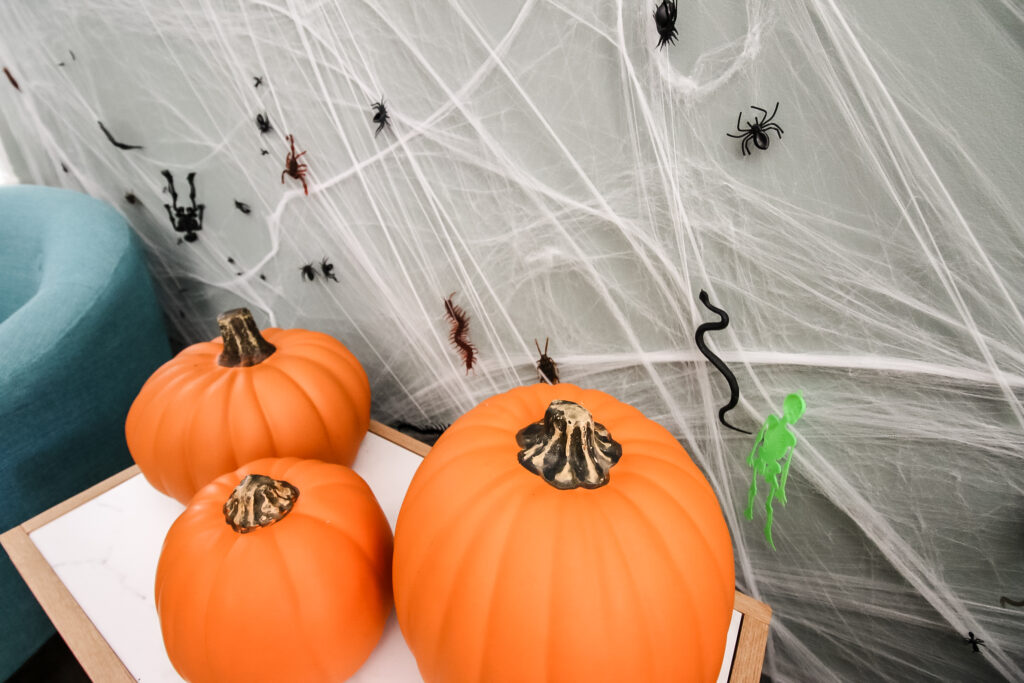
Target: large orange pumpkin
[(555, 534), (246, 396), (280, 571)]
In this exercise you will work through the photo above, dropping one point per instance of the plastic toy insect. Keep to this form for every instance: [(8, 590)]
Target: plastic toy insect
[(381, 117), (547, 369), (131, 198), (308, 272), (257, 81), (264, 152), (459, 334), (758, 130), (243, 207), (293, 168), (665, 20), (1004, 601), (188, 220), (734, 387), (327, 268), (263, 123), (974, 642), (774, 443)]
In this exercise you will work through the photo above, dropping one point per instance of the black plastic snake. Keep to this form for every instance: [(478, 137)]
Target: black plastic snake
[(734, 387)]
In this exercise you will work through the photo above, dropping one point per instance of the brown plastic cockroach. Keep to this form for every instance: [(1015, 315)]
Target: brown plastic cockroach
[(547, 369)]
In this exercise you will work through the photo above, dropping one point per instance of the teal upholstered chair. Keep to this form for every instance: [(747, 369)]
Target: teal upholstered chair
[(80, 331)]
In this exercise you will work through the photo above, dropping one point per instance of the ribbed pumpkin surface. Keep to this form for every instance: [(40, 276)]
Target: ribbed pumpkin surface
[(195, 420), (499, 576), (304, 599)]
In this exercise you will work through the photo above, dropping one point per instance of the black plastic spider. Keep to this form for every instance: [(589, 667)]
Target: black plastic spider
[(973, 641), (665, 20), (186, 220), (131, 198), (257, 81), (308, 272), (381, 116), (758, 130), (327, 268), (263, 123)]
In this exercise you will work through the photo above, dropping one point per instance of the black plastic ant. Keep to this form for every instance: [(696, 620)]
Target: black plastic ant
[(186, 220)]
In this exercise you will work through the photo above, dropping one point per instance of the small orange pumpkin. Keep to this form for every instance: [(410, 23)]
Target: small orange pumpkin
[(555, 534), (246, 396), (280, 571)]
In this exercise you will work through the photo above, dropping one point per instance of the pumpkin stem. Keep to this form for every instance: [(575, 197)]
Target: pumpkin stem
[(243, 343), (259, 501), (567, 449)]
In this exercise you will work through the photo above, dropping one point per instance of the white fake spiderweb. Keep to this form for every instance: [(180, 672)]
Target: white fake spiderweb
[(567, 180)]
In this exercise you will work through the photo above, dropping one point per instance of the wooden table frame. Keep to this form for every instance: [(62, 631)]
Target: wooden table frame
[(101, 664)]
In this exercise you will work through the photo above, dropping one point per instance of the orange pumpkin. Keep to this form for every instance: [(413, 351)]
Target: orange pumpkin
[(246, 396), (554, 534), (280, 571)]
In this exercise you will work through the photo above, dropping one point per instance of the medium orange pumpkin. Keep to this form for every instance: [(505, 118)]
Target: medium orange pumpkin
[(555, 534), (280, 571), (246, 396)]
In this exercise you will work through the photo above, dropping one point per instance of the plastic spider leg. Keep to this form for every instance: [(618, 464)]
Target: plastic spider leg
[(746, 144), (192, 190), (774, 111), (199, 211), (773, 126), (170, 188)]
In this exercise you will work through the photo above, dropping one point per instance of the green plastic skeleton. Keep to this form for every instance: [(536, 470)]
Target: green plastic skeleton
[(774, 443)]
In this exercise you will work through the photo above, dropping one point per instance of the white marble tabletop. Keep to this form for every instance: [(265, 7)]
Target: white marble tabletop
[(106, 550)]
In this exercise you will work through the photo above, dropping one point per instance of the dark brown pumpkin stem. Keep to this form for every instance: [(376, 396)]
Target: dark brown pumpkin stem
[(259, 501), (243, 343), (567, 449)]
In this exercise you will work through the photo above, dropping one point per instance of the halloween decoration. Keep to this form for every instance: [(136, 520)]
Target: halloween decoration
[(974, 642), (1004, 601), (308, 272), (380, 116), (263, 123), (131, 198), (257, 81), (774, 442), (665, 21), (734, 387), (293, 168), (245, 396), (243, 207), (542, 518), (299, 547), (547, 369), (115, 143), (757, 131), (327, 268), (188, 220), (459, 334)]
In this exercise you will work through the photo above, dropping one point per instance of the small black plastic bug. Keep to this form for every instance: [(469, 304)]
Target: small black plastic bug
[(263, 123), (327, 268), (257, 81), (665, 20), (974, 641), (308, 272), (381, 116), (547, 369), (243, 207), (758, 130), (131, 198), (231, 260), (264, 152)]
